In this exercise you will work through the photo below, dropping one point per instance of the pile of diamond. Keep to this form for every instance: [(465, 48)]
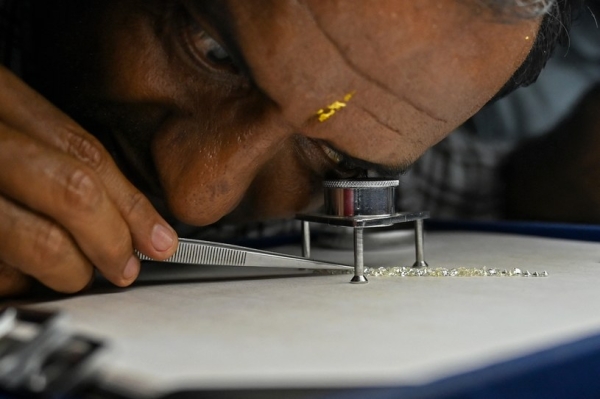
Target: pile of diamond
[(440, 272)]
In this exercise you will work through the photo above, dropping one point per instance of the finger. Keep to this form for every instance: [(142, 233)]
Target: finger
[(36, 246), (64, 189), (31, 113), (150, 233), (12, 281)]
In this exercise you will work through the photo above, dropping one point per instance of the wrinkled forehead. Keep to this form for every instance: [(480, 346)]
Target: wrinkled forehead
[(556, 17), (427, 52)]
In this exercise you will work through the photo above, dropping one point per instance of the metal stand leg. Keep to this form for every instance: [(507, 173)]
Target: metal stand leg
[(420, 262), (305, 239), (359, 266)]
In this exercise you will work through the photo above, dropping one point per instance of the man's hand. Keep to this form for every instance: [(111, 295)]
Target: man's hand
[(65, 208), (557, 177)]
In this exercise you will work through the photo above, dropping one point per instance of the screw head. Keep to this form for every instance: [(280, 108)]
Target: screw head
[(359, 280)]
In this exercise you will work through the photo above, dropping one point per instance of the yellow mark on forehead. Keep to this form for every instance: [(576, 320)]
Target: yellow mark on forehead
[(325, 113)]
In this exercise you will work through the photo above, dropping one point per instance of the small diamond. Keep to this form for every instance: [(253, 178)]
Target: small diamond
[(544, 274), (478, 272), (516, 271), (492, 272), (453, 272), (464, 272), (526, 273)]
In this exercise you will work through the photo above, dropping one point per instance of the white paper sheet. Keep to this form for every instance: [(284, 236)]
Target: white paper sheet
[(320, 331)]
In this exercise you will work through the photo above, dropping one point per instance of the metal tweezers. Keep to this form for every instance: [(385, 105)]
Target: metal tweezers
[(207, 253)]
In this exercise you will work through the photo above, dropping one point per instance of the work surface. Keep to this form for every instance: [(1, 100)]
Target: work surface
[(198, 331)]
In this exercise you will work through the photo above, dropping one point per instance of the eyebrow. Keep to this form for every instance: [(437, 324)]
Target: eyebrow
[(350, 162)]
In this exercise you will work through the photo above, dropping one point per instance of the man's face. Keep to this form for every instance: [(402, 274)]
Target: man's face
[(215, 103)]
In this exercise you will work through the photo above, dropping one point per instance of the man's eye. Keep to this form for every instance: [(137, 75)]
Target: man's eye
[(207, 51), (212, 50)]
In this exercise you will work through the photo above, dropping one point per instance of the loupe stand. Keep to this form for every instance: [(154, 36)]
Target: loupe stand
[(362, 204)]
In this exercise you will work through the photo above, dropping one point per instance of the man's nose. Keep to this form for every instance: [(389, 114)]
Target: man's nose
[(206, 179)]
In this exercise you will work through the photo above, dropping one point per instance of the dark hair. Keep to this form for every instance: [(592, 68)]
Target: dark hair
[(554, 31)]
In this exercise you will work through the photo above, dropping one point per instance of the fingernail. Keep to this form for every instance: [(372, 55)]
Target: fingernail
[(162, 238), (132, 268)]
